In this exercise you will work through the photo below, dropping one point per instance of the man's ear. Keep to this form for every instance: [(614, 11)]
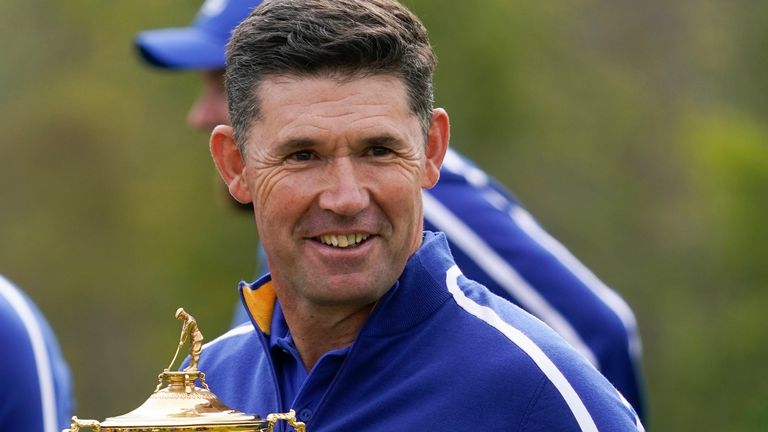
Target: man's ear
[(437, 146), (229, 162)]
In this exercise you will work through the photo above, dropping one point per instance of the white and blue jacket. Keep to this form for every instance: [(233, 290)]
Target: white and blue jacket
[(35, 383), (439, 352), (496, 242)]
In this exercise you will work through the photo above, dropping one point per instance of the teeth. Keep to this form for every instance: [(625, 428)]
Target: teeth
[(343, 241)]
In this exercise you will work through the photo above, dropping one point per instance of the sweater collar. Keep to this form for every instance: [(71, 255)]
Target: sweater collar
[(419, 291)]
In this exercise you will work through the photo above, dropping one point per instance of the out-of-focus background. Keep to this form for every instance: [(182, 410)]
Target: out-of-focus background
[(636, 132)]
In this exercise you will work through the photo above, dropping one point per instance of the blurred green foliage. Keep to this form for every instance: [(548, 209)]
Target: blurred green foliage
[(636, 132)]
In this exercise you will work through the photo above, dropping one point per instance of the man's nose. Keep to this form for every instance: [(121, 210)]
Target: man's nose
[(344, 192)]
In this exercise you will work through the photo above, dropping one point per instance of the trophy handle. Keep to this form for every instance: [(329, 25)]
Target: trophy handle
[(290, 417), (94, 425)]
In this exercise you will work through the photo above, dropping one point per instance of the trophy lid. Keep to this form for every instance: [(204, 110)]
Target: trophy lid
[(181, 405)]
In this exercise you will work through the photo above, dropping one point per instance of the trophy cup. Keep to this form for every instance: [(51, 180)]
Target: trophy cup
[(178, 405)]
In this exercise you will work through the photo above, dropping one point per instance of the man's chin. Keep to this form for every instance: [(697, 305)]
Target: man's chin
[(356, 289)]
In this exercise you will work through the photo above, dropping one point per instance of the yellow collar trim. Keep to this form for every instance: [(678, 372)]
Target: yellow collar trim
[(261, 304)]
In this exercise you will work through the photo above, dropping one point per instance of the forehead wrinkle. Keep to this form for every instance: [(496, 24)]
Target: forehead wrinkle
[(298, 133), (341, 108)]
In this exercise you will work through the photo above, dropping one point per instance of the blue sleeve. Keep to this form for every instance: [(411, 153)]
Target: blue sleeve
[(496, 242), (35, 384), (549, 412)]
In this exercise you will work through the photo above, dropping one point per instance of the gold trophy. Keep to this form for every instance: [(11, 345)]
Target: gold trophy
[(178, 405)]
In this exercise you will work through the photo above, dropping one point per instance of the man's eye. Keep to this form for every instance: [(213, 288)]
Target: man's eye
[(379, 151), (301, 156)]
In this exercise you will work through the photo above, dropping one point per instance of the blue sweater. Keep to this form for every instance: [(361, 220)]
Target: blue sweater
[(35, 384), (439, 352)]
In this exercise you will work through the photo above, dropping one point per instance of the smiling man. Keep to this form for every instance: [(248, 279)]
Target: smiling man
[(492, 236), (365, 322)]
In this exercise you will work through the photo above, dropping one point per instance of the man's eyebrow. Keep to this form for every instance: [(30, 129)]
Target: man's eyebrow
[(295, 144), (381, 140), (302, 143)]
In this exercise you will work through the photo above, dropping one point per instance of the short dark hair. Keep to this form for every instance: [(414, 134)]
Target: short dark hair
[(344, 38)]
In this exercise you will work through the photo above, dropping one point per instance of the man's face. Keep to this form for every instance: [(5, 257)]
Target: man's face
[(334, 169), (210, 108)]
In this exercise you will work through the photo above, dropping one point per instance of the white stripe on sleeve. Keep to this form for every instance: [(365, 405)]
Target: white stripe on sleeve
[(488, 315), (503, 273)]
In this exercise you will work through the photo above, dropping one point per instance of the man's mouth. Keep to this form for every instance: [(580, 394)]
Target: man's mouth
[(342, 240)]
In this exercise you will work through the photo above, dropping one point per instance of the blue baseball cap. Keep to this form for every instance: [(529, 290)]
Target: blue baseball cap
[(202, 45)]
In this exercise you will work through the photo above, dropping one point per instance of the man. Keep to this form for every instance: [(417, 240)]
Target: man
[(35, 384), (364, 321), (494, 240)]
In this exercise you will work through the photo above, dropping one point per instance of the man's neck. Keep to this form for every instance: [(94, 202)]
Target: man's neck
[(316, 331)]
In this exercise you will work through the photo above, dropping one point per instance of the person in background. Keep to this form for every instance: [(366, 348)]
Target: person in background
[(35, 383), (492, 237)]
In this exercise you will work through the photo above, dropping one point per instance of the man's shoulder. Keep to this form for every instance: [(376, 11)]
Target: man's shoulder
[(525, 350), (231, 339), (474, 313), (489, 320), (502, 346)]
